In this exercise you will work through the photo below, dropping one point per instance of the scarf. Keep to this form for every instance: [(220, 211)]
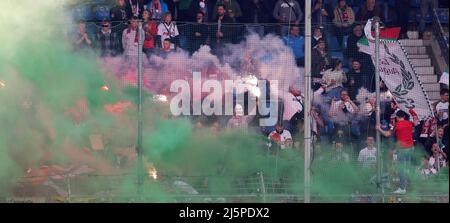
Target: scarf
[(136, 37), (155, 8), (132, 7)]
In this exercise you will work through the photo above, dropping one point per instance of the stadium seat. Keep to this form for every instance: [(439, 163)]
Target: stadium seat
[(99, 1), (412, 17), (338, 55), (415, 4), (332, 42), (443, 15), (344, 41), (356, 10), (83, 12), (102, 12), (428, 17)]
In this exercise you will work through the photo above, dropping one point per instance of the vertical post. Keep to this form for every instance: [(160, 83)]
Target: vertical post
[(307, 102), (139, 148), (263, 186), (69, 190), (377, 89)]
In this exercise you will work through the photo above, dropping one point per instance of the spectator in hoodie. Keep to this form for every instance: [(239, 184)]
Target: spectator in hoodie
[(287, 11), (343, 20)]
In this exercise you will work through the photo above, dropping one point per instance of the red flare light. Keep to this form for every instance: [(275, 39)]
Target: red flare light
[(104, 88)]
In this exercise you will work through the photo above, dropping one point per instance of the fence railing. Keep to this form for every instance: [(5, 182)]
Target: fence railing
[(439, 32)]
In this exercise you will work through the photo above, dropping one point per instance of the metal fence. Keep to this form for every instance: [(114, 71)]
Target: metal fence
[(341, 142)]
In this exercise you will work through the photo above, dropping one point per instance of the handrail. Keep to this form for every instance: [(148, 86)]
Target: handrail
[(438, 31)]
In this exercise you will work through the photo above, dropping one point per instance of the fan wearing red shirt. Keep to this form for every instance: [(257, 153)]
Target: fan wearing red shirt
[(405, 146)]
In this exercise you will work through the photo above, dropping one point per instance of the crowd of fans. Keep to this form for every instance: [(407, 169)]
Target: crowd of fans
[(209, 21), (343, 116)]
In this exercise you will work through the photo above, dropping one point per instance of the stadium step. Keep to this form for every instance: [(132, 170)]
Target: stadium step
[(433, 96), (411, 42), (418, 56), (424, 70), (421, 62), (415, 49), (428, 79), (429, 87)]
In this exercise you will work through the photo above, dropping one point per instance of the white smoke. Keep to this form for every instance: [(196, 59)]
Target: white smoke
[(266, 58)]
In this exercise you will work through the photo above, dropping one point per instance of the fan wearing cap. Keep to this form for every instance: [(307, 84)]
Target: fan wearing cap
[(403, 130)]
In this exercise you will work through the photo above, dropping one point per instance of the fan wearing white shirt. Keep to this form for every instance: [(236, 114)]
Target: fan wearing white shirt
[(345, 104), (441, 107), (281, 137), (367, 157), (168, 30)]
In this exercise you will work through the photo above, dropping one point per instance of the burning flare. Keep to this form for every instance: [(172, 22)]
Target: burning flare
[(153, 173)]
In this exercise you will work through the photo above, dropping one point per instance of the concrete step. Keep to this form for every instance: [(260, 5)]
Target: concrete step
[(430, 79), (433, 95), (411, 42), (421, 62), (415, 49), (418, 56), (429, 87), (424, 70)]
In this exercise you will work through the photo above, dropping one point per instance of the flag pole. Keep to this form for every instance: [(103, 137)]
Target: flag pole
[(307, 109), (377, 89), (139, 148)]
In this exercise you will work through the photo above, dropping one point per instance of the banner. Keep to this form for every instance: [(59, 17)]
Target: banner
[(401, 80), (397, 73)]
